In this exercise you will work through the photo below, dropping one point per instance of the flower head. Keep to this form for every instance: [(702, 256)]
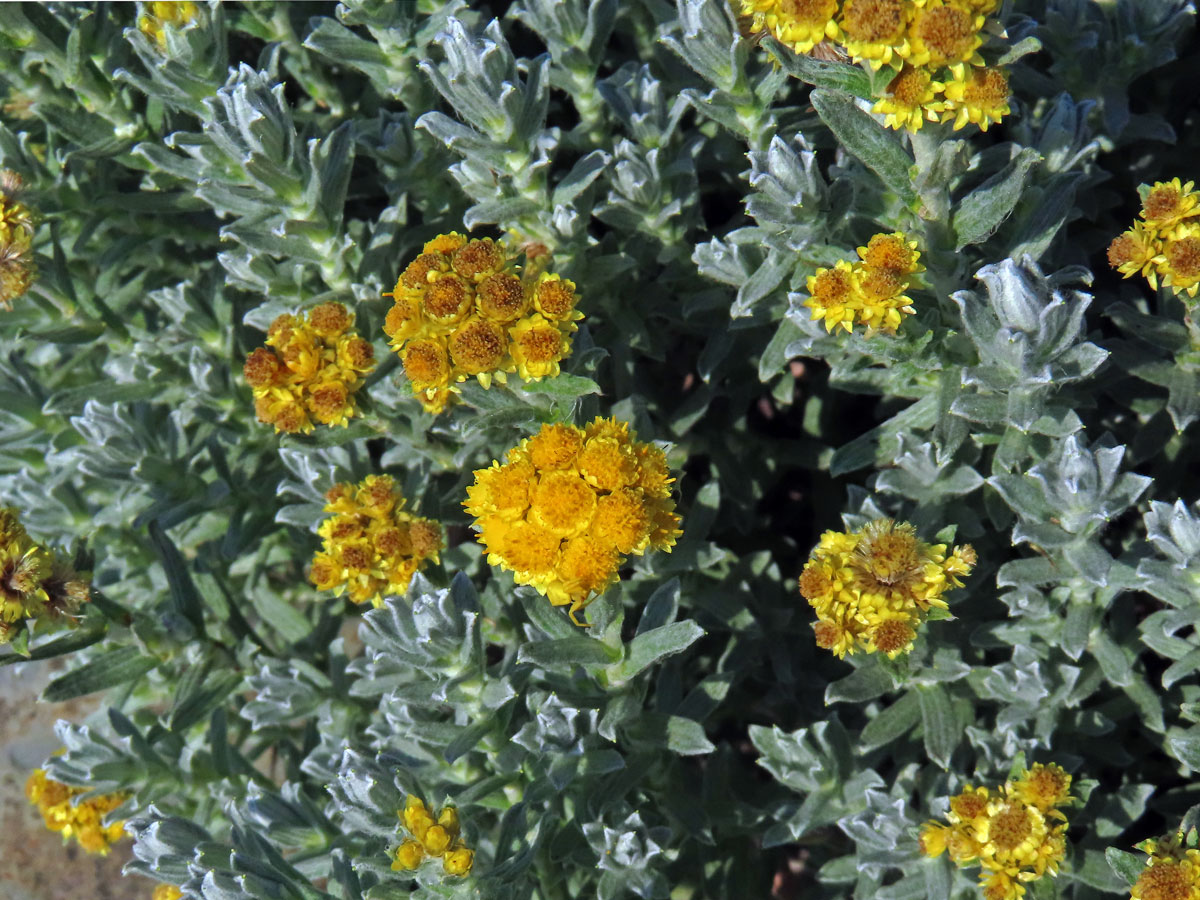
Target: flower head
[(371, 545), (944, 33), (875, 30), (16, 240), (35, 583), (870, 292), (310, 370), (976, 95), (1166, 243), (873, 587), (462, 310), (911, 99), (159, 15), (166, 892), (1012, 838), (436, 837), (65, 809), (570, 504)]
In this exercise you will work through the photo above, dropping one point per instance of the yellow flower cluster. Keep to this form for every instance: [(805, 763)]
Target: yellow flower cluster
[(157, 16), (933, 46), (167, 892), (63, 811), (460, 310), (1015, 834), (16, 241), (1166, 243), (438, 837), (1172, 872), (35, 583), (869, 290), (871, 588), (371, 546), (570, 504), (316, 366)]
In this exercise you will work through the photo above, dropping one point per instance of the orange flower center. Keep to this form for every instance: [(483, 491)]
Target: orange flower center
[(329, 319), (447, 299), (1009, 827), (1161, 203), (555, 446), (1121, 250), (1183, 257), (873, 21), (827, 634), (814, 583), (501, 297), (832, 286), (910, 87), (893, 635), (425, 363), (1165, 880), (947, 31), (809, 12), (987, 87), (477, 258), (478, 346), (555, 298)]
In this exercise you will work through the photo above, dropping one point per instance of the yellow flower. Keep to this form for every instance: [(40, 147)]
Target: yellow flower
[(871, 588), (64, 810), (1006, 834), (166, 892), (157, 16), (461, 310), (1134, 251), (875, 30), (945, 33), (910, 101), (310, 369), (870, 293), (569, 505), (370, 545), (35, 583), (1168, 203), (1046, 787), (979, 96), (16, 240), (432, 837), (1179, 261), (1168, 879), (801, 24)]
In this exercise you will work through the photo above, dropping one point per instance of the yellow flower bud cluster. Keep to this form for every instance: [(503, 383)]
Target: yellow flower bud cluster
[(869, 291), (1166, 243), (1173, 870), (35, 583), (570, 505), (932, 45), (313, 371), (63, 811), (371, 545), (873, 587), (16, 241), (1015, 834), (158, 15), (432, 837), (166, 892), (461, 309)]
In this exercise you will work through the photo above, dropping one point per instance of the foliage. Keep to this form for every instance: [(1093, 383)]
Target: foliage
[(190, 183)]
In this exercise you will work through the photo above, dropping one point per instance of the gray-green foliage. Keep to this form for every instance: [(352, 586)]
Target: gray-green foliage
[(692, 742)]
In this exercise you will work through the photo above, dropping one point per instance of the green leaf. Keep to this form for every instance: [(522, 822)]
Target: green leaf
[(892, 722), (939, 724), (1128, 866), (981, 211), (185, 599), (105, 671), (197, 704), (564, 654), (876, 147), (281, 615), (683, 736), (562, 386), (859, 686), (654, 646), (820, 73)]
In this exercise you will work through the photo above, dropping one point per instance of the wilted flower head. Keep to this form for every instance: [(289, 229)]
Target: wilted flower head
[(1166, 244), (64, 811), (371, 545), (570, 505), (462, 310), (310, 369), (1015, 834), (35, 583), (159, 15), (873, 587), (16, 240), (437, 837)]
